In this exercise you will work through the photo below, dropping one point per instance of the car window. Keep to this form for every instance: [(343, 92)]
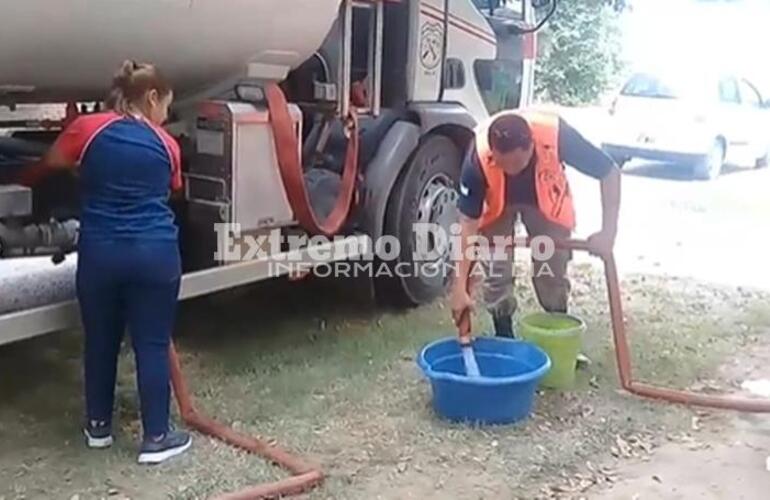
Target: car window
[(644, 85), (749, 95), (728, 91)]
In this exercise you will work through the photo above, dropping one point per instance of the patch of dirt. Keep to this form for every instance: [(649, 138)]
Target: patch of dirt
[(726, 456), (721, 471)]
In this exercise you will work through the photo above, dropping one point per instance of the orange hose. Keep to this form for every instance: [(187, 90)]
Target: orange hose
[(292, 174), (304, 476), (623, 353)]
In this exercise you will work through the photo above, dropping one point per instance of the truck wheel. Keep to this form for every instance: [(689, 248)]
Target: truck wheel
[(426, 192)]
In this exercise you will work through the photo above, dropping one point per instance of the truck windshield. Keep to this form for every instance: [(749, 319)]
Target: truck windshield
[(511, 6), (487, 4), (499, 82)]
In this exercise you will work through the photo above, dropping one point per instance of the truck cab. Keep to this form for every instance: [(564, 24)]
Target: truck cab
[(415, 76)]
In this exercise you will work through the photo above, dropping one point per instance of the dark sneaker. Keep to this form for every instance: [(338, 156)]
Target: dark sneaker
[(98, 434), (170, 444)]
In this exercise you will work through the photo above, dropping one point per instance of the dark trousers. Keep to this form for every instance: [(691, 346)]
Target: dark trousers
[(132, 284), (549, 278)]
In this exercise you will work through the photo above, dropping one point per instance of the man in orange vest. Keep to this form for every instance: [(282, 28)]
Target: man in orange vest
[(515, 168)]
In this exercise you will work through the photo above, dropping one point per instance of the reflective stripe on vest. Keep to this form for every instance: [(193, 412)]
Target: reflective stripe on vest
[(554, 198)]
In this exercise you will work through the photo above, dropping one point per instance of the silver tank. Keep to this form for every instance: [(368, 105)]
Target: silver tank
[(57, 50)]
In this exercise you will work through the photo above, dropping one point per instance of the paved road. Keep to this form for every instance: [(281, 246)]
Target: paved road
[(712, 230)]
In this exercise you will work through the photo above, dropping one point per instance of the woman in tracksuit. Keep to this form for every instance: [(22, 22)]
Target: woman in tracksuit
[(128, 257)]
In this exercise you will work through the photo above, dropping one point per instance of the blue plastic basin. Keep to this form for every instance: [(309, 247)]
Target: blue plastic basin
[(505, 392)]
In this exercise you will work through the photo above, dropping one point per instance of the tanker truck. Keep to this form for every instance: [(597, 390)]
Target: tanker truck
[(332, 122)]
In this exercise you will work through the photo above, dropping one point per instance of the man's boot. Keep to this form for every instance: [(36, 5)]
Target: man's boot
[(503, 326)]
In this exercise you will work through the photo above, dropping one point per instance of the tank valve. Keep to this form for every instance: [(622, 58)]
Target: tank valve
[(54, 238)]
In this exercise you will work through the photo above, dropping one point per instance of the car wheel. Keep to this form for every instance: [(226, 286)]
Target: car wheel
[(426, 192), (764, 160), (710, 166)]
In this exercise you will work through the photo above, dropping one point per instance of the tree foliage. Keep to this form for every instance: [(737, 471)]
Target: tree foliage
[(580, 51)]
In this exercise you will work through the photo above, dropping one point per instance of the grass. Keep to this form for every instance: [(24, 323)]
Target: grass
[(335, 380)]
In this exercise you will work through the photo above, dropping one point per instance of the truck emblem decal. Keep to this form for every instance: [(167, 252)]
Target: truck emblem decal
[(431, 42)]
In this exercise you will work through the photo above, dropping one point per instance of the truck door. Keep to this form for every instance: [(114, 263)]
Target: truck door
[(478, 53), (490, 60), (429, 22)]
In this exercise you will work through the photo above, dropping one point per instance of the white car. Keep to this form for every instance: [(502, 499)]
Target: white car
[(701, 121)]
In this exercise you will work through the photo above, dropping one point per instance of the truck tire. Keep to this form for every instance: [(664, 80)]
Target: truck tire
[(426, 191)]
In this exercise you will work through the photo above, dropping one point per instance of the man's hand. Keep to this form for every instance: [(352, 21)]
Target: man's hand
[(601, 243), (461, 302), (462, 306)]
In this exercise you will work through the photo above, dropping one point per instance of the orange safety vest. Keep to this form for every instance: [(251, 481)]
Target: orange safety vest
[(554, 198)]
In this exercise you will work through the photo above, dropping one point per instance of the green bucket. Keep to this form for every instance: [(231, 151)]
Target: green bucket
[(560, 336)]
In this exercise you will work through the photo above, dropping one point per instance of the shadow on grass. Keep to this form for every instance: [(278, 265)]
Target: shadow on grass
[(40, 381), (291, 343), (279, 321), (264, 308), (280, 317)]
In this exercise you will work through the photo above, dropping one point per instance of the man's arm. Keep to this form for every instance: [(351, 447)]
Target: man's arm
[(610, 185), (576, 151), (468, 229), (470, 204)]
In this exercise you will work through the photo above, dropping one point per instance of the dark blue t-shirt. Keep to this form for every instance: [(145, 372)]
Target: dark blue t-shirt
[(127, 167), (574, 150)]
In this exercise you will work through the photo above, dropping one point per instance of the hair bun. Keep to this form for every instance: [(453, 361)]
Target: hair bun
[(127, 69), (131, 83)]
